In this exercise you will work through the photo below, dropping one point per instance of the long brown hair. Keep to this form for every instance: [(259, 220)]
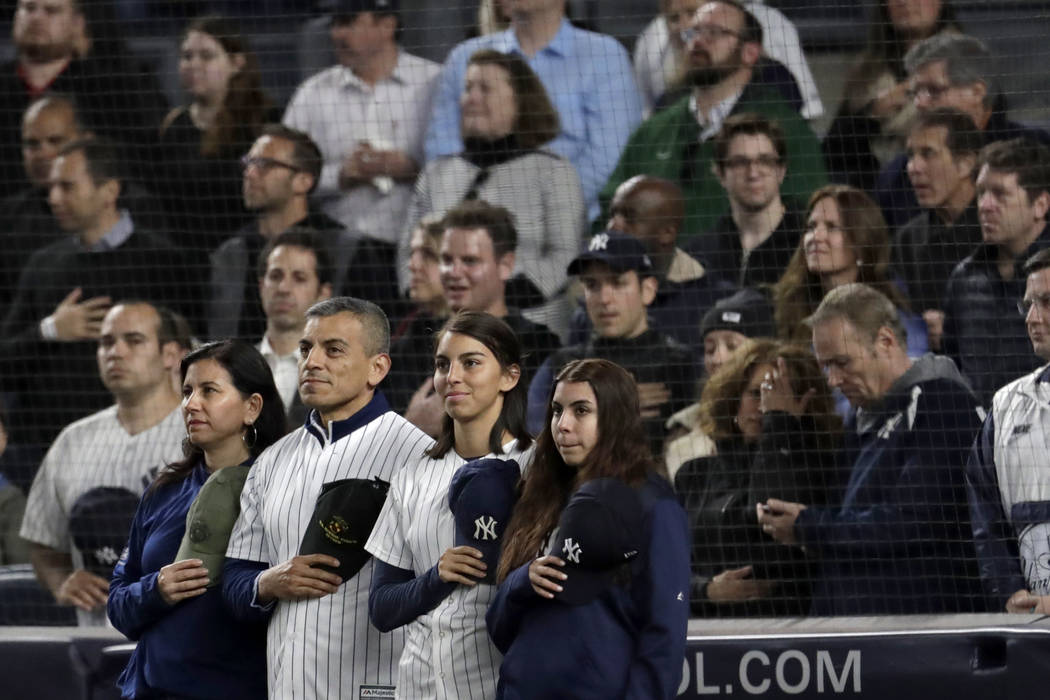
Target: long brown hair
[(244, 110), (798, 293), (537, 119), (622, 452), (720, 400)]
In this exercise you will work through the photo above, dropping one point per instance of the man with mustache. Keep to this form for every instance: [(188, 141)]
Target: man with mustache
[(982, 330), (723, 45)]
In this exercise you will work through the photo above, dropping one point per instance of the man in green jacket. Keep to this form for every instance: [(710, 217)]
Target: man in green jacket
[(723, 44)]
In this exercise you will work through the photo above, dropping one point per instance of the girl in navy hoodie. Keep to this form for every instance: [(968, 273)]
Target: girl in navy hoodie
[(594, 573)]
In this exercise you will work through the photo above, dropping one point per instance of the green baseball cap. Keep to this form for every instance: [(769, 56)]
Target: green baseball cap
[(210, 520)]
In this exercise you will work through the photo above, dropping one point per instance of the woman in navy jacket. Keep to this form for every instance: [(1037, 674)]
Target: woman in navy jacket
[(627, 638), (188, 644)]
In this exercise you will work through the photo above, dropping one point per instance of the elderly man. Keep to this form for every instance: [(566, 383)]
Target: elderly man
[(898, 541)]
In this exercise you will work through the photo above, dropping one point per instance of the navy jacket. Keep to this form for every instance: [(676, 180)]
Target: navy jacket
[(627, 643), (983, 331), (899, 541), (194, 648)]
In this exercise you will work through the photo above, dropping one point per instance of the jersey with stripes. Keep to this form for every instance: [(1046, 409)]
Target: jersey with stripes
[(92, 452), (323, 647), (448, 653)]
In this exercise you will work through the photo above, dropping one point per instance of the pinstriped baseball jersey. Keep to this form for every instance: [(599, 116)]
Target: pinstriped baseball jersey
[(323, 647), (95, 451), (448, 653)]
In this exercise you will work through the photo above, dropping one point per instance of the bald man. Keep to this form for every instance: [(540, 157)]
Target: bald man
[(652, 210)]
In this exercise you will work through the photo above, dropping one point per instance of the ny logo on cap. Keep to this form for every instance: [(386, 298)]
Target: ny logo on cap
[(572, 551), (600, 241), (485, 529)]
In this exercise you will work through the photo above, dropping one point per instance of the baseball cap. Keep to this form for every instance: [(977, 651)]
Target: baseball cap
[(210, 519), (343, 518), (99, 523), (598, 533), (481, 497), (619, 250), (747, 312)]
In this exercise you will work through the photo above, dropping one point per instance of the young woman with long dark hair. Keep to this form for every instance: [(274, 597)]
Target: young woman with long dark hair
[(626, 637), (188, 644), (422, 579)]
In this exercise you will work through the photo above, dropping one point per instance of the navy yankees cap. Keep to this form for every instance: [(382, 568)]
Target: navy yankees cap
[(481, 497), (353, 7), (99, 523), (210, 519), (599, 532), (343, 518), (620, 251)]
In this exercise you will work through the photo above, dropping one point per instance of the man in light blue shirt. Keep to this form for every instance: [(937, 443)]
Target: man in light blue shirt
[(588, 77)]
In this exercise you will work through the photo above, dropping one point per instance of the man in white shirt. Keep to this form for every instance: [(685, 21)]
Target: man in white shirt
[(121, 446), (294, 274), (368, 114)]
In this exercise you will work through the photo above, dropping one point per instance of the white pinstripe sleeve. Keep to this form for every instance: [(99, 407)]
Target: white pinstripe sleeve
[(388, 541), (45, 522), (248, 539)]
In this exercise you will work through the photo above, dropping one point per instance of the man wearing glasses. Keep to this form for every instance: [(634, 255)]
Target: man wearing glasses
[(982, 330), (281, 170), (753, 243), (949, 70), (722, 46), (1007, 475)]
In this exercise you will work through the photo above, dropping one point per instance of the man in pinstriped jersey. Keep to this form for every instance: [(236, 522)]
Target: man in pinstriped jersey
[(320, 643)]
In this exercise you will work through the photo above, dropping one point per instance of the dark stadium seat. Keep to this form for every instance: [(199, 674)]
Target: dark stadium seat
[(24, 602), (98, 663)]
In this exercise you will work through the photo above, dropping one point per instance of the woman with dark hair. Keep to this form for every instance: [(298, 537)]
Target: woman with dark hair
[(202, 143), (422, 579), (189, 645), (507, 118), (772, 417), (845, 241), (612, 628), (872, 123)]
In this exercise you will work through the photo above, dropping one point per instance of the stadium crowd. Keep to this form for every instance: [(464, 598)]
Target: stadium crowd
[(544, 294)]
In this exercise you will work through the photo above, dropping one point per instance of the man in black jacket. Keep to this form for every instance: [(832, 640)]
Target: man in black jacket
[(65, 289), (982, 329), (619, 283)]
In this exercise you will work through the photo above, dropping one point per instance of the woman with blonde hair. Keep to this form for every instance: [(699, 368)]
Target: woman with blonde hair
[(772, 417)]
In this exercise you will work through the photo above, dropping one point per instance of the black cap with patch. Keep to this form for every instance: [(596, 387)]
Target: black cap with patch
[(343, 518)]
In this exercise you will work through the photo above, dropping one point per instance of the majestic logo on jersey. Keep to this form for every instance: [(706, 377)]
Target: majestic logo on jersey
[(485, 528), (599, 241), (337, 530), (572, 550), (199, 532), (1022, 429)]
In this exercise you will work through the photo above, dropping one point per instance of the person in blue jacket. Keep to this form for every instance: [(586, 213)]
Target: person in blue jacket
[(593, 594), (898, 540), (189, 645)]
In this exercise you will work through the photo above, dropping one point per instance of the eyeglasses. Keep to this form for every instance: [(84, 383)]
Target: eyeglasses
[(266, 164), (928, 91), (709, 32), (764, 162), (1040, 301)]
